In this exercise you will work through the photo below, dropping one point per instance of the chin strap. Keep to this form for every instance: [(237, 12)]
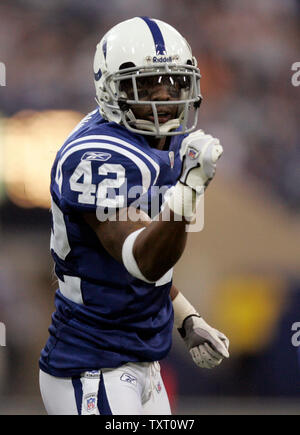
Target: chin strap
[(142, 124)]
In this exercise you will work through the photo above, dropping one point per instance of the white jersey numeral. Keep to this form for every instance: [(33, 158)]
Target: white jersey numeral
[(108, 183), (87, 189), (59, 240)]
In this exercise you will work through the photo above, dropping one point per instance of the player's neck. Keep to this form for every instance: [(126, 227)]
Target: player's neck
[(159, 144)]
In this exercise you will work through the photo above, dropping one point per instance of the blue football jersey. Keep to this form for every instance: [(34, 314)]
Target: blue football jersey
[(104, 316)]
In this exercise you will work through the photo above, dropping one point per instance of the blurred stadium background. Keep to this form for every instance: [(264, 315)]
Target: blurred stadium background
[(242, 270)]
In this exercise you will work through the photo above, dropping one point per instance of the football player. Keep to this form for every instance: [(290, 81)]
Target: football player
[(114, 251)]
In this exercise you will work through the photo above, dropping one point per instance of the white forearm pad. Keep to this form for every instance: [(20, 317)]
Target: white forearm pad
[(182, 309), (128, 257), (183, 201)]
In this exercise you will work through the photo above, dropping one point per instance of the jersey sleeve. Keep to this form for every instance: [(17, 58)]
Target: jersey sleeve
[(102, 178)]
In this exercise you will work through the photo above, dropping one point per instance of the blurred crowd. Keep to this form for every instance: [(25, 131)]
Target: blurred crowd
[(245, 51)]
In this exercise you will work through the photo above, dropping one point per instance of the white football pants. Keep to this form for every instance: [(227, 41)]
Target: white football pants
[(132, 389)]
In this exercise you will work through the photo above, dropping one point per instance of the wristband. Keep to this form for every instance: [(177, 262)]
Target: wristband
[(128, 257), (182, 309)]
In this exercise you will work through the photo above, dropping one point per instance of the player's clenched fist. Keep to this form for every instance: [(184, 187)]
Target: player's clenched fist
[(207, 345), (200, 153)]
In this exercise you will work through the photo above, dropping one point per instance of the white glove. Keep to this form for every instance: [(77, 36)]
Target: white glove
[(207, 345), (200, 153)]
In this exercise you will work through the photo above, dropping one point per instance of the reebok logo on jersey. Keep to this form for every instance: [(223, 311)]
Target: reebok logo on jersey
[(128, 378), (94, 155)]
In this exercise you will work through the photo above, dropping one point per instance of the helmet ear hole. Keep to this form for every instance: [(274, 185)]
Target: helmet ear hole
[(126, 65)]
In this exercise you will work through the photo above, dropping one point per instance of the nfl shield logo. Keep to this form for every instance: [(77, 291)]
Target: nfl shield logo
[(192, 153), (91, 404)]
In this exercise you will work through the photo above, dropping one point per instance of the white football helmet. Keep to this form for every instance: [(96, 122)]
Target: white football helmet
[(139, 53)]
